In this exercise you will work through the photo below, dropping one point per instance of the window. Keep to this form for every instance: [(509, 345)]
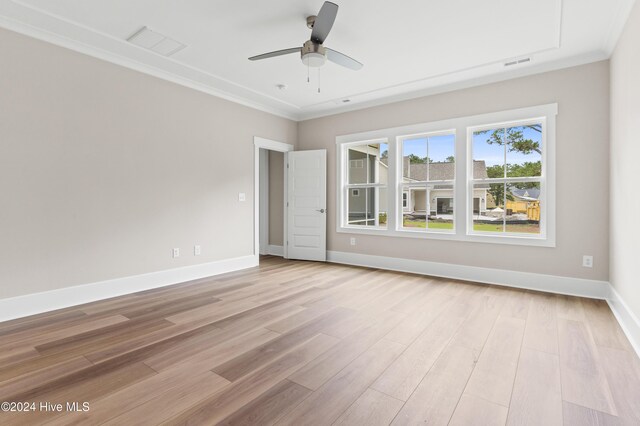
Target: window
[(428, 174), (366, 187), (507, 178), (495, 185)]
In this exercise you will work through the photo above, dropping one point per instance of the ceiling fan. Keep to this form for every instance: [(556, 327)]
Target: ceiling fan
[(312, 52)]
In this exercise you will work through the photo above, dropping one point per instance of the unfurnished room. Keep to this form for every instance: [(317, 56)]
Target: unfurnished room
[(308, 212)]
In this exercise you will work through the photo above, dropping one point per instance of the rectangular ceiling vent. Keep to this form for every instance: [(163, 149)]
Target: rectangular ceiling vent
[(517, 62), (156, 42)]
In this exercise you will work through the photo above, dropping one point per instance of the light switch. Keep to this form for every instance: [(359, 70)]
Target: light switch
[(242, 197), (197, 251)]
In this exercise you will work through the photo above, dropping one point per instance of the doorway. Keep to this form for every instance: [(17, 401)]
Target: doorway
[(270, 187), (271, 199)]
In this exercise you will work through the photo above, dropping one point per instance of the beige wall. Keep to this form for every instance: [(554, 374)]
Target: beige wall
[(103, 170), (276, 198), (582, 94), (625, 157)]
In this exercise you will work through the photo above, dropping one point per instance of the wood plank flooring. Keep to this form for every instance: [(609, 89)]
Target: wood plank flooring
[(302, 343)]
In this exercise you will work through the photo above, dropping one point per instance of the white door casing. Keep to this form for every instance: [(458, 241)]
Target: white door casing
[(307, 205), (264, 200), (271, 145)]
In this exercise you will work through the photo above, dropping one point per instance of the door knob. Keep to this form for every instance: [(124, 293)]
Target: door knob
[(321, 210)]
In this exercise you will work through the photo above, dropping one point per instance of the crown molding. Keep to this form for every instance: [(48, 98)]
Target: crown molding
[(617, 26), (14, 23), (16, 16)]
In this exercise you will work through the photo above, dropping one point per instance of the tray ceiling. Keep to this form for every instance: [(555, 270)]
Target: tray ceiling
[(409, 48)]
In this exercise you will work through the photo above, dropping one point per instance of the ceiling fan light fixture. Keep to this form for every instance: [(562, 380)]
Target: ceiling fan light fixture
[(313, 59), (313, 54)]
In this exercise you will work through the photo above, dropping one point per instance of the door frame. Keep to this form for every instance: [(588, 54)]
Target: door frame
[(264, 143)]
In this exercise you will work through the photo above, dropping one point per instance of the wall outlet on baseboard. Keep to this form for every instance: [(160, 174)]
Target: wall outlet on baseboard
[(587, 261), (197, 250), (353, 241), (176, 252)]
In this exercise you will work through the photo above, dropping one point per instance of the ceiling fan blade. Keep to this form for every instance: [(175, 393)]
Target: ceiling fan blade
[(276, 53), (342, 59), (324, 22)]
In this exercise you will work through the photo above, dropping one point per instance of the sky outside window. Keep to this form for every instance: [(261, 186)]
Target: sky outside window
[(493, 154), (440, 147)]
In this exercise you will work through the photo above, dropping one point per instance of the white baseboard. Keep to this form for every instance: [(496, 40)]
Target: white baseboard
[(31, 304), (626, 318), (525, 280), (275, 250)]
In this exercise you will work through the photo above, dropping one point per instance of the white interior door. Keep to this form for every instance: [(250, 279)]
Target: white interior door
[(307, 205)]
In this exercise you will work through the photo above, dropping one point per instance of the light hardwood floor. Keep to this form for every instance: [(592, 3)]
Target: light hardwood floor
[(301, 343)]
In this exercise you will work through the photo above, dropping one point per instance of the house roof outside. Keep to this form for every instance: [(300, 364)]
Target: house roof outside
[(440, 170), (529, 194), (417, 172)]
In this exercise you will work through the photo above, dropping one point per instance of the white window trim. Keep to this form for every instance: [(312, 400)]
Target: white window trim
[(343, 190), (426, 185), (463, 196)]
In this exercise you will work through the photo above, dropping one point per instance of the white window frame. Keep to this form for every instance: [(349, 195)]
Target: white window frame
[(534, 179), (345, 189), (463, 192), (428, 185)]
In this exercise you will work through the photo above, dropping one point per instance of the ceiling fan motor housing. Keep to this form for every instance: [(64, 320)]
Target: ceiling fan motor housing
[(311, 20), (313, 54)]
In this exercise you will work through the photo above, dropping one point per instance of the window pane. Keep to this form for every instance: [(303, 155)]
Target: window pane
[(523, 208), (441, 207), (520, 214), (414, 159), (488, 207), (365, 205), (414, 215), (488, 154), (442, 149), (428, 158), (524, 145), (368, 163), (428, 207), (382, 206)]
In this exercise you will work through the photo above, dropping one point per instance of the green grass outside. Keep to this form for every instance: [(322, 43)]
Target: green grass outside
[(409, 223), (487, 227), (526, 228)]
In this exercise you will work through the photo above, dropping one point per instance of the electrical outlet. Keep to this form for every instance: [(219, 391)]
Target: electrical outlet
[(197, 251), (176, 252), (587, 261), (353, 241), (242, 196)]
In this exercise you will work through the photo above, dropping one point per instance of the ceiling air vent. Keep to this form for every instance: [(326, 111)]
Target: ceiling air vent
[(156, 42), (517, 62)]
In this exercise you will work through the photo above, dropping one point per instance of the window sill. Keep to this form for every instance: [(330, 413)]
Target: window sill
[(519, 240)]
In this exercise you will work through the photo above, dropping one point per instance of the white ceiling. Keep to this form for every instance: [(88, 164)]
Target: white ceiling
[(409, 47)]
